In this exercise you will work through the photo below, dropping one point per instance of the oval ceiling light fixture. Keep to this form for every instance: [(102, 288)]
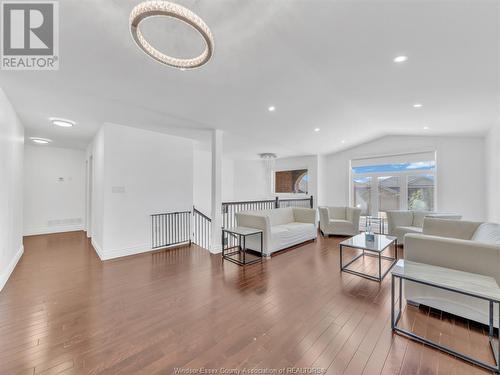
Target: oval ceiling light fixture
[(167, 9), (418, 105), (271, 108), (61, 122), (317, 130), (40, 141), (400, 59)]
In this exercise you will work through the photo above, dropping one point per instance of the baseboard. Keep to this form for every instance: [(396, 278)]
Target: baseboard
[(215, 249), (97, 249), (119, 253), (4, 277), (52, 229)]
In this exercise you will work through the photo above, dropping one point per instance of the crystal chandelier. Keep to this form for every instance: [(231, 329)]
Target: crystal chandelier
[(167, 9), (269, 159)]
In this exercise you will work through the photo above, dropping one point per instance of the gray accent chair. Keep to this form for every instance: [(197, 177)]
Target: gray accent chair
[(341, 221)]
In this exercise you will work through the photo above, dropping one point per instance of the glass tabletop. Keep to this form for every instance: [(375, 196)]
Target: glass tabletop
[(243, 231), (379, 244)]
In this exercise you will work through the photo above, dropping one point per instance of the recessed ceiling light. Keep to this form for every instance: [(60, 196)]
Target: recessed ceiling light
[(317, 129), (343, 141), (40, 141), (417, 105), (426, 128), (63, 123), (271, 108), (400, 59)]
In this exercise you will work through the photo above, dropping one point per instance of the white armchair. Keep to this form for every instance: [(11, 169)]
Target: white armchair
[(342, 221), (401, 223), (460, 245)]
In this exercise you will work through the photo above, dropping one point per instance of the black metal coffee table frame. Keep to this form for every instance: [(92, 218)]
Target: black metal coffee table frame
[(370, 253)]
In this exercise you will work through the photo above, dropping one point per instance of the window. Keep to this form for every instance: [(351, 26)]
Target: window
[(291, 182), (389, 193), (397, 182), (362, 194), (421, 192)]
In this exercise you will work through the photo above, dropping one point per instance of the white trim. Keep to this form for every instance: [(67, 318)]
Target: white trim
[(97, 249), (52, 229), (380, 156), (119, 253), (215, 249), (4, 277)]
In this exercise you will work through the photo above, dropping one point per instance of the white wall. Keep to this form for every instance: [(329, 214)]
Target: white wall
[(202, 162), (11, 188), (54, 190), (461, 172), (137, 173), (252, 183), (202, 180), (95, 193), (493, 173)]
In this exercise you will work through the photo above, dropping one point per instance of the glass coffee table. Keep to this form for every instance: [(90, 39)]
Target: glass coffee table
[(369, 248)]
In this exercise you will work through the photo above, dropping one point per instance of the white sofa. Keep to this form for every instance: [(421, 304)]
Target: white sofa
[(342, 221), (283, 227), (402, 222), (460, 245)]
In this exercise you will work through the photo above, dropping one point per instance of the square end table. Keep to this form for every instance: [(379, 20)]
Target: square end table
[(240, 256)]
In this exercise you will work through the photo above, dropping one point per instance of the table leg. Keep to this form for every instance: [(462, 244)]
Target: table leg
[(261, 246), (392, 302), (341, 266), (491, 320), (244, 250), (222, 242), (400, 295), (380, 266)]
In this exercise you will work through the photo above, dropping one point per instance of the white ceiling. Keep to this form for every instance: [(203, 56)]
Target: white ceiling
[(325, 64)]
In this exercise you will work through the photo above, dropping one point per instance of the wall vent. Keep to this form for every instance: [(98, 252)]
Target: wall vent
[(75, 221)]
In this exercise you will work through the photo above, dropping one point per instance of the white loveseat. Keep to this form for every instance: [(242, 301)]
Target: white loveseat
[(460, 245), (283, 227), (402, 222), (341, 221)]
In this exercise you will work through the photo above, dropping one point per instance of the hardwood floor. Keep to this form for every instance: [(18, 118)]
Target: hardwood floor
[(63, 311)]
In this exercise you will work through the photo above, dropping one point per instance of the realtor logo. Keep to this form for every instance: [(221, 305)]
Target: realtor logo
[(30, 35)]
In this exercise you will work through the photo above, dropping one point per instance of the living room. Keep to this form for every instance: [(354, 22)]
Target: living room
[(250, 187)]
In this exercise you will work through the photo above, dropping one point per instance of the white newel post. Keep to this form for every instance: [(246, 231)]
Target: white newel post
[(216, 209)]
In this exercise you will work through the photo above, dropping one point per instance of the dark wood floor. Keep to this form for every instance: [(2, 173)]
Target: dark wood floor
[(63, 312)]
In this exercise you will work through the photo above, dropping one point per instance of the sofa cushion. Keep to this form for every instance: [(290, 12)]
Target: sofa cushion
[(404, 230), (487, 233), (463, 230), (418, 218), (342, 226), (286, 235), (337, 213), (279, 216)]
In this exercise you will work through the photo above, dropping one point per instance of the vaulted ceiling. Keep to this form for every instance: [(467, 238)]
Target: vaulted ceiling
[(322, 64)]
